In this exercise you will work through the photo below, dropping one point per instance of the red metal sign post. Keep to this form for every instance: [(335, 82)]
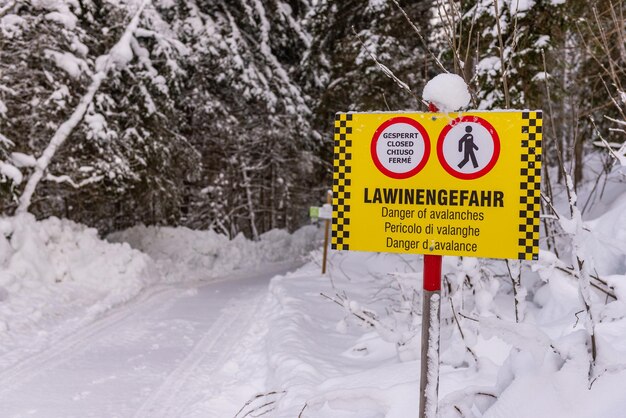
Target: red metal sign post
[(431, 303)]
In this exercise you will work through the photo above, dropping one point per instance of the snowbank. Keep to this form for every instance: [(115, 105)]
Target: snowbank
[(57, 270), (57, 275), (186, 254), (328, 362)]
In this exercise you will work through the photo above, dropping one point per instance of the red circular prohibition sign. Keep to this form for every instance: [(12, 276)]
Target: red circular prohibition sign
[(381, 129), (496, 148)]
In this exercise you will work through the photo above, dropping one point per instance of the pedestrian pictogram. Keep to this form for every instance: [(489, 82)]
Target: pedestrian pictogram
[(468, 147), (400, 148)]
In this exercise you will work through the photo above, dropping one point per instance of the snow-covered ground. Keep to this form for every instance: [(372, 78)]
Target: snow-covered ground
[(331, 363), (177, 351), (97, 328), (188, 324)]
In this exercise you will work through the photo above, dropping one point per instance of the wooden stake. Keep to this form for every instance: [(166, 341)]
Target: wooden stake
[(326, 232)]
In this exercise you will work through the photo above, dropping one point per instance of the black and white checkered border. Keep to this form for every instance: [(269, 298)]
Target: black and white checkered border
[(342, 171), (530, 185)]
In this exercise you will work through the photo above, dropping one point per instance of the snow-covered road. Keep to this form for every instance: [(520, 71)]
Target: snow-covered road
[(175, 351)]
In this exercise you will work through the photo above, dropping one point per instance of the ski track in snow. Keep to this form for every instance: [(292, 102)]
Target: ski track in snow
[(166, 400), (159, 356), (31, 367)]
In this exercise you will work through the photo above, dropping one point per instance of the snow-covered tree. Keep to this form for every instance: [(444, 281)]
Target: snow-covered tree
[(202, 102), (341, 73), (246, 114), (66, 63), (219, 114), (541, 54)]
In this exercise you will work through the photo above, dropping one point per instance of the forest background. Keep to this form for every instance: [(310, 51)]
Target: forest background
[(218, 114)]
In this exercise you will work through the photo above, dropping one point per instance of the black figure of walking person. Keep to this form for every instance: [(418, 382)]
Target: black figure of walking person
[(467, 147)]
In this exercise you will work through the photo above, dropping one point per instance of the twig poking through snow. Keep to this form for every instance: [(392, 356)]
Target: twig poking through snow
[(263, 409), (458, 325), (519, 295)]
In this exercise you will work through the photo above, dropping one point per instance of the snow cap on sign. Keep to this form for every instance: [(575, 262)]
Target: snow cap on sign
[(448, 92)]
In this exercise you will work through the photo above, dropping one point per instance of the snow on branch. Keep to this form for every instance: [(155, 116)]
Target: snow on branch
[(10, 171), (582, 267), (7, 7), (6, 141), (620, 154), (67, 179)]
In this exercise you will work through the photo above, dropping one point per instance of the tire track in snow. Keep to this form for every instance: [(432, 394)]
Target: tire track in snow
[(166, 401), (65, 349)]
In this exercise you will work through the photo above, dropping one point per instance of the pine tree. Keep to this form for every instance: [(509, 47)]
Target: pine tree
[(246, 115)]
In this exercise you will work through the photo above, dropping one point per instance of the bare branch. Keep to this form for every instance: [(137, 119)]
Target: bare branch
[(505, 83), (388, 72), (420, 36)]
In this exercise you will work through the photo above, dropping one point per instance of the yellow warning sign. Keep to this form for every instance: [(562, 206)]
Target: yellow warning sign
[(465, 184)]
